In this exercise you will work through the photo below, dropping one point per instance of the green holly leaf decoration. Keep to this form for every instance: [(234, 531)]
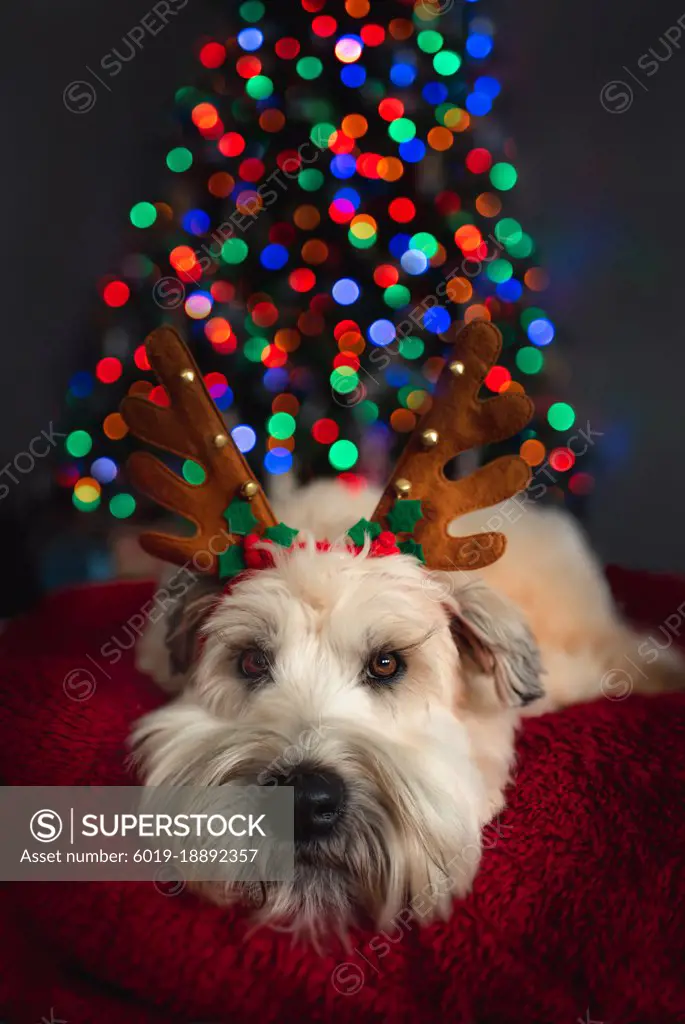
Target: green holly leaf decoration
[(363, 529), (281, 534), (231, 562), (410, 547), (240, 518), (404, 515)]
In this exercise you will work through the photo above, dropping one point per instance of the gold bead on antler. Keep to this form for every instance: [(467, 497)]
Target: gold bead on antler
[(249, 489), (457, 421), (192, 428), (429, 438)]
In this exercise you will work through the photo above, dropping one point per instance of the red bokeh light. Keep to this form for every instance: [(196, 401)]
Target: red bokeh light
[(302, 280), (497, 378), (478, 161), (231, 144), (108, 370), (325, 431), (116, 293), (212, 55)]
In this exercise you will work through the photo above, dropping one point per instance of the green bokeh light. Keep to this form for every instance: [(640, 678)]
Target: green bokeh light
[(281, 425), (561, 416), (429, 41), (447, 62), (310, 179), (122, 505), (193, 472), (366, 411), (179, 159), (522, 248), (530, 360), (322, 133), (343, 455), (85, 506), (396, 296), (252, 10), (412, 348), (259, 87), (401, 129), (508, 231), (234, 250), (503, 176), (425, 242), (344, 380), (254, 348), (309, 68), (143, 215), (442, 110), (362, 243), (404, 393), (499, 271), (78, 443), (532, 313)]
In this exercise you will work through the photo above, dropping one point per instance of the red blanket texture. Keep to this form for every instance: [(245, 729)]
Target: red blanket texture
[(578, 912)]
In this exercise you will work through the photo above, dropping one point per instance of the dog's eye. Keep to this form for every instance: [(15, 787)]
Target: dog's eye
[(253, 663), (384, 666)]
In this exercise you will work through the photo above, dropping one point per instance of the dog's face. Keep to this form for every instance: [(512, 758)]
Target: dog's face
[(352, 679)]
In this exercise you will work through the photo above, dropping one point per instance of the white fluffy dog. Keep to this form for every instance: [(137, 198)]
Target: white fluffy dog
[(396, 693)]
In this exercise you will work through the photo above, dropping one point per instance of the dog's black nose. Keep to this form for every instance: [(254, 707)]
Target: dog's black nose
[(319, 801)]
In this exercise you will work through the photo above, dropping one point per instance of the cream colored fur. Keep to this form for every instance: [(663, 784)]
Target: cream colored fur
[(426, 761)]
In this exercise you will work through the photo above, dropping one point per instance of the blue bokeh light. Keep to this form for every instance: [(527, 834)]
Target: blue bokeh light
[(412, 151), (343, 165), (489, 85), (277, 461), (82, 384), (276, 379), (414, 261), (437, 320), (105, 470), (350, 194), (353, 75), (478, 45), (478, 104), (196, 222), (250, 39), (399, 244), (509, 291), (382, 333), (434, 92), (224, 400), (402, 74), (273, 257), (244, 437), (345, 291), (540, 332)]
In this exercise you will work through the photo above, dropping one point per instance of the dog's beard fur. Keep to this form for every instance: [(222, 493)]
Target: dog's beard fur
[(417, 792)]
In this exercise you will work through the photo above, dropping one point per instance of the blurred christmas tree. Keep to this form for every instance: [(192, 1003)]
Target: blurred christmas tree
[(332, 208)]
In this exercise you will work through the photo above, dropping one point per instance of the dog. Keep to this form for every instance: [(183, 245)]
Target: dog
[(396, 691)]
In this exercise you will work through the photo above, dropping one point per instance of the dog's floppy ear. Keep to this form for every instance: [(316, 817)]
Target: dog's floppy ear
[(185, 617), (500, 657)]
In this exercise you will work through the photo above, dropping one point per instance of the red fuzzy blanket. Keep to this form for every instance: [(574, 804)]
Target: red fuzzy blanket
[(578, 912)]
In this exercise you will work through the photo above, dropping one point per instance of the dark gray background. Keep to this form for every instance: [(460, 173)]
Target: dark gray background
[(600, 192)]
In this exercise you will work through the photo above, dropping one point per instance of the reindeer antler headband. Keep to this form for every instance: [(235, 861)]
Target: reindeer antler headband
[(417, 505)]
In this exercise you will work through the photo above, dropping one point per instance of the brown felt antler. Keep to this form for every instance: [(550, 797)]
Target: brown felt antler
[(457, 421), (192, 428)]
